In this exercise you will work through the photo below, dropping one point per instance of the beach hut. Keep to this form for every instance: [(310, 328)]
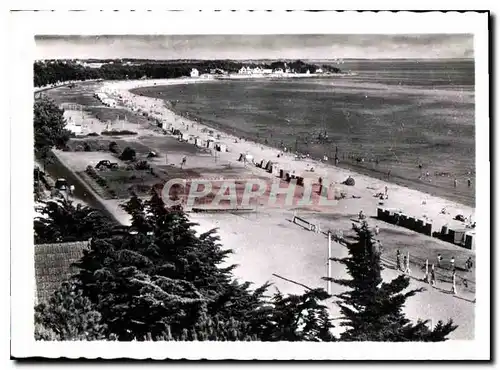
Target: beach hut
[(458, 236), (403, 220), (419, 225), (246, 158), (380, 213), (269, 166), (469, 240), (222, 147), (411, 223), (428, 229)]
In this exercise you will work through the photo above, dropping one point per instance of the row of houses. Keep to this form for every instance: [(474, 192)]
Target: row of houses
[(268, 71)]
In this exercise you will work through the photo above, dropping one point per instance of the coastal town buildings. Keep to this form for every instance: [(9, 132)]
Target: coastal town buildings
[(195, 73)]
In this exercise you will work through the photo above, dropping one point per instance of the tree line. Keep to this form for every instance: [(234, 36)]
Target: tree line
[(54, 71)]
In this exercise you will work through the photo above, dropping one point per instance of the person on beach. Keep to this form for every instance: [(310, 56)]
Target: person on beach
[(452, 263), (183, 161), (376, 230), (468, 182), (454, 283), (439, 258), (468, 264), (455, 183), (388, 174), (433, 276), (405, 264), (426, 267), (398, 259)]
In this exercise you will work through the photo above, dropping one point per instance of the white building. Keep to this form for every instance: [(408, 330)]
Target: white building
[(278, 71), (73, 127), (319, 70), (245, 71), (195, 73)]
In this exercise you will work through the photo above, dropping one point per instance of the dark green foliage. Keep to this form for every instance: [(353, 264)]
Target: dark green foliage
[(128, 154), (373, 309), (113, 147), (48, 125), (164, 281), (118, 132), (142, 165), (67, 223), (296, 318), (54, 71), (68, 316)]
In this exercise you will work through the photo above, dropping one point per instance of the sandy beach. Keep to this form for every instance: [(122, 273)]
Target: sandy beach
[(411, 201), (265, 242)]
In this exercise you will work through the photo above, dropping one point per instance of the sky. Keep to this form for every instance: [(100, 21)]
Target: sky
[(428, 46)]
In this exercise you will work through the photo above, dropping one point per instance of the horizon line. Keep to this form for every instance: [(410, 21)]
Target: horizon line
[(253, 59)]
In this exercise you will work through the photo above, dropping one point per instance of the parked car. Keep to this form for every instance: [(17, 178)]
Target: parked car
[(106, 164), (61, 184)]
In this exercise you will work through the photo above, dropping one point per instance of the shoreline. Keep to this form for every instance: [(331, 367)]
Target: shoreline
[(369, 168), (156, 105)]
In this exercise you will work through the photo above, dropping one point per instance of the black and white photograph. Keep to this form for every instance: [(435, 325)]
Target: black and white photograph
[(308, 190)]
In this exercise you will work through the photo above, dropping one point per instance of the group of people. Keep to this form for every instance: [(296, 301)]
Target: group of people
[(403, 264)]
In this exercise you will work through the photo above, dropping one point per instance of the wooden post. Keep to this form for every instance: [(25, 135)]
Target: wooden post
[(329, 264), (426, 270)]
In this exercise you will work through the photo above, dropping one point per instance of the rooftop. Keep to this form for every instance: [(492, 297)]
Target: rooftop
[(53, 265)]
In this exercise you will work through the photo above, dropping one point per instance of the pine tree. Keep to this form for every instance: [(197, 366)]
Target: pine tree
[(48, 125), (68, 316), (373, 309), (165, 282), (63, 222), (296, 318)]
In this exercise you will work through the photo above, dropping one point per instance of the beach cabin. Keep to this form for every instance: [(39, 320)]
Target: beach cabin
[(470, 238), (221, 147), (246, 158)]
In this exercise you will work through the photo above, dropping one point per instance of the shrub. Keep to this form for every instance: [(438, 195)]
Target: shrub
[(142, 165), (128, 154), (118, 132), (113, 147), (86, 147)]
